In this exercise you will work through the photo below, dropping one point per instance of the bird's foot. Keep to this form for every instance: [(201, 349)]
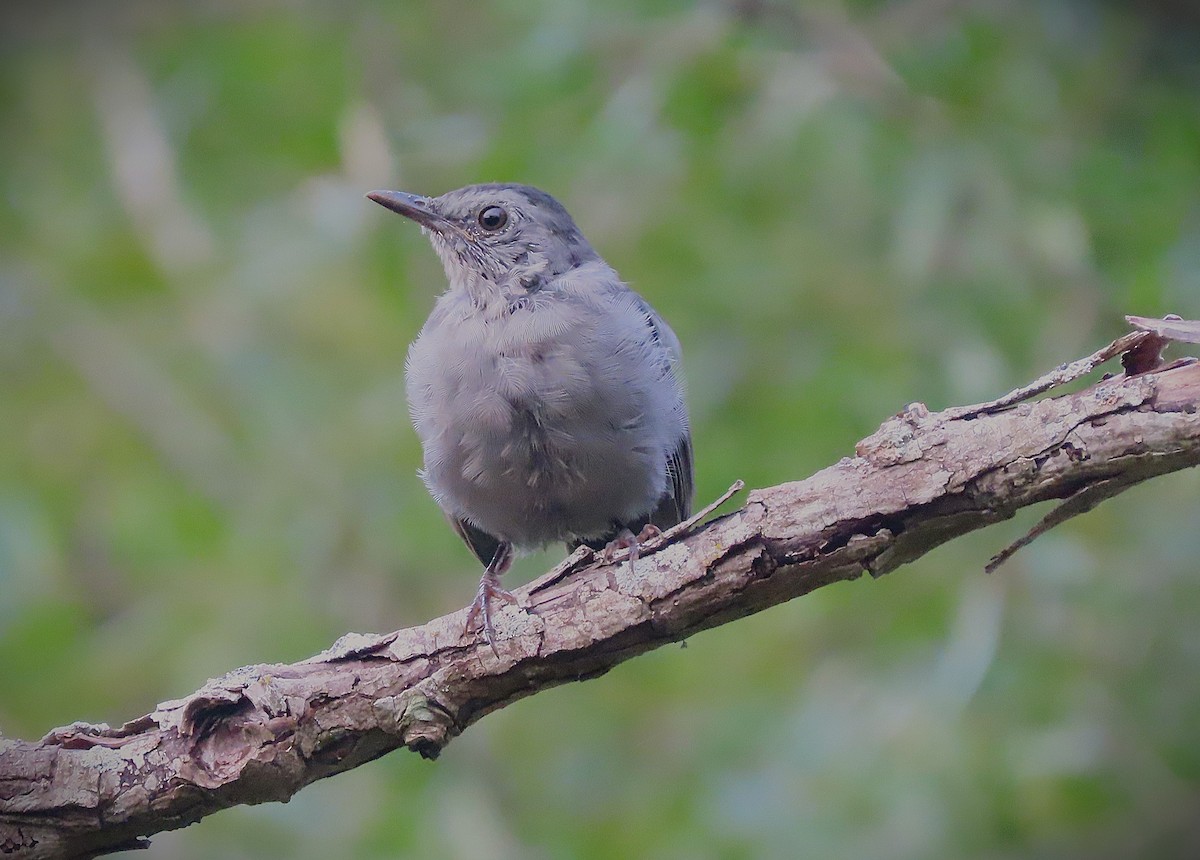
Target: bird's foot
[(658, 541), (490, 590), (627, 540)]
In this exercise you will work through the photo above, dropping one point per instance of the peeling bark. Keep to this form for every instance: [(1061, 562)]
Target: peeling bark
[(261, 733)]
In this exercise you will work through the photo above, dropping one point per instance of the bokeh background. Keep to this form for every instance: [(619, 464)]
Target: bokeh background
[(841, 207)]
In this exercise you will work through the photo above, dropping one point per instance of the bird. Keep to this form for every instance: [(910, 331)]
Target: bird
[(547, 394)]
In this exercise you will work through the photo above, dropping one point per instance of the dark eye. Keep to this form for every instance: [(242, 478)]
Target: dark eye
[(492, 218)]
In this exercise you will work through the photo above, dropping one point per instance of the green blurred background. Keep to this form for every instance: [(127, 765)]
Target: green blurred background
[(205, 457)]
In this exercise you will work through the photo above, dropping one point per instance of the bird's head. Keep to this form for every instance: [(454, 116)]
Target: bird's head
[(512, 237)]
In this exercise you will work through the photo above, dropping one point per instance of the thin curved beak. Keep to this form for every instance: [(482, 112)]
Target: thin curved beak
[(412, 206)]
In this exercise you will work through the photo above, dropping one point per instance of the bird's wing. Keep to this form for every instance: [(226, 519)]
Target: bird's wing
[(676, 505), (480, 542)]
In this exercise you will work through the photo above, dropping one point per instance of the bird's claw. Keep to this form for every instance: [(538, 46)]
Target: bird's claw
[(627, 540), (481, 607)]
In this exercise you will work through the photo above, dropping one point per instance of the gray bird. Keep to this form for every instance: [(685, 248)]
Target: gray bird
[(546, 393)]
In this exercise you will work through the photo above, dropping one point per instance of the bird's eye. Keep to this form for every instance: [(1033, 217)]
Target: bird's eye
[(492, 218)]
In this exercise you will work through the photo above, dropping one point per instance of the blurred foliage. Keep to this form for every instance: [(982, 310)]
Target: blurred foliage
[(841, 207)]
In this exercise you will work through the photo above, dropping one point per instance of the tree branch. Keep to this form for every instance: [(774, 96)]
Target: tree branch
[(262, 733)]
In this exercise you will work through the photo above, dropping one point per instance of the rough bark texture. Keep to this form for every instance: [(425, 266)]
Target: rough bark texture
[(263, 732)]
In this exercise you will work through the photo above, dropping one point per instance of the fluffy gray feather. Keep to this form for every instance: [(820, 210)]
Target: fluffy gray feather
[(546, 393)]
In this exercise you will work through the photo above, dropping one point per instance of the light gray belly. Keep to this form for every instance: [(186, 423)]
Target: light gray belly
[(538, 444)]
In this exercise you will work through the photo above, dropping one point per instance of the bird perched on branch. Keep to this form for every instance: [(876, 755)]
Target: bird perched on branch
[(546, 393)]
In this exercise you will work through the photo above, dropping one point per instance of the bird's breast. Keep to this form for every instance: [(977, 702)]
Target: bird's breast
[(540, 425)]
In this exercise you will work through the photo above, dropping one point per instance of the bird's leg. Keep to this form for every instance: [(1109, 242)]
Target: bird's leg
[(490, 589)]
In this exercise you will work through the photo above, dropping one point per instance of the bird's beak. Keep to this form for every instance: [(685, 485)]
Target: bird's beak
[(412, 206)]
